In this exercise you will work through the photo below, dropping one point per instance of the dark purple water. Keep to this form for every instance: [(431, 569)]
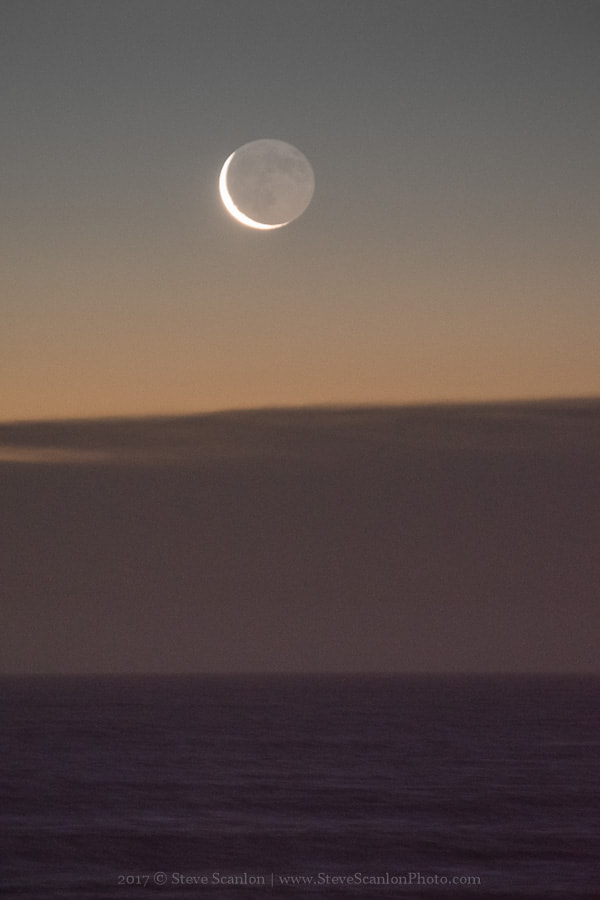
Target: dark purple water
[(395, 781)]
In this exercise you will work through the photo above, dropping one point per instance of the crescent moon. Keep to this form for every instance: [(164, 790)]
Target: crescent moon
[(232, 208)]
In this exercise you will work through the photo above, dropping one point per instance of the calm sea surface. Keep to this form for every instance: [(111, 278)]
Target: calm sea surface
[(300, 786)]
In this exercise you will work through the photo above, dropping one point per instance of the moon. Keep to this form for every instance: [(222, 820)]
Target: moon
[(266, 184)]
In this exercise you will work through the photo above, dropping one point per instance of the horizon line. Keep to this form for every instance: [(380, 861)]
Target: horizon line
[(315, 673)]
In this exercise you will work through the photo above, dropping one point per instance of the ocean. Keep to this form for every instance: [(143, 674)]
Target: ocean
[(300, 786)]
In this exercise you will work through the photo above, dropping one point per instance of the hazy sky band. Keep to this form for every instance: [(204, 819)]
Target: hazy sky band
[(394, 539)]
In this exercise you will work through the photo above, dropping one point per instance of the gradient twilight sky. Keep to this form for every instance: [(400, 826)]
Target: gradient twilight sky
[(450, 251)]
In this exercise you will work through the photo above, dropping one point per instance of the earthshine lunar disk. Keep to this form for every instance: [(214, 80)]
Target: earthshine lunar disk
[(266, 184)]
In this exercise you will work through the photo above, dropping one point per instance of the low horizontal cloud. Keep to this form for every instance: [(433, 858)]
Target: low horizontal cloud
[(321, 433), (32, 455), (448, 538)]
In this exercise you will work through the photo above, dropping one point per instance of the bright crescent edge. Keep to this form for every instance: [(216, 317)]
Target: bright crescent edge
[(232, 208)]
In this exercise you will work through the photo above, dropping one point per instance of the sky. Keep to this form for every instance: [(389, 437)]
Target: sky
[(450, 251), (310, 497)]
